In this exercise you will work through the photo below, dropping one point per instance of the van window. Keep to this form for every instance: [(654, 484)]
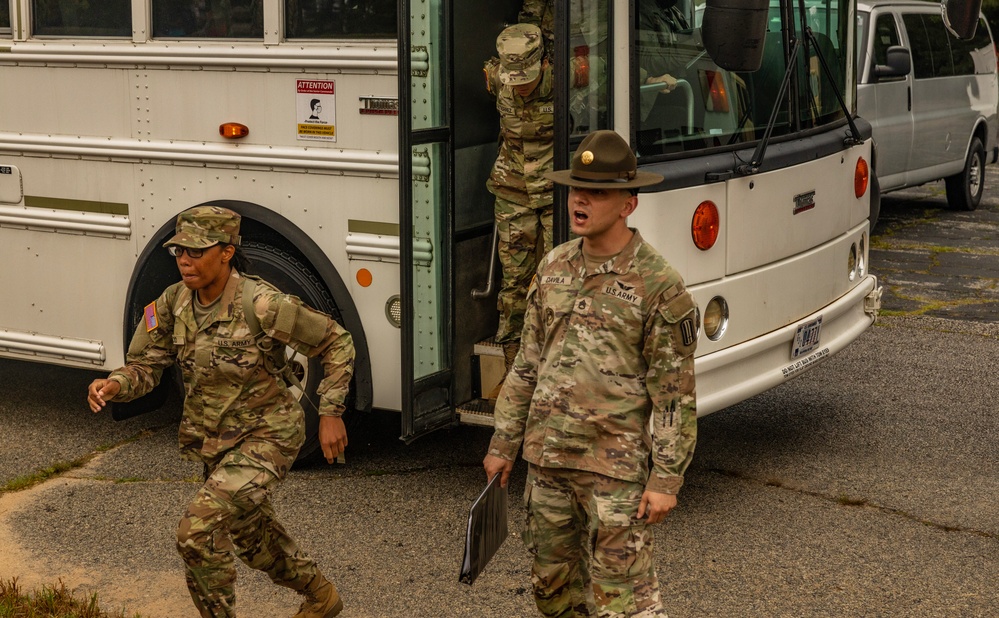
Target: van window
[(885, 35), (976, 55), (208, 19), (930, 46), (108, 18), (343, 19)]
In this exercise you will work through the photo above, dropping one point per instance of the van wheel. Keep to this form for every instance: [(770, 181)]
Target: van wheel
[(285, 272), (964, 190)]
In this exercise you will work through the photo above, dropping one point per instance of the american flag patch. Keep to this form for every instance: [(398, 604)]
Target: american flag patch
[(150, 315)]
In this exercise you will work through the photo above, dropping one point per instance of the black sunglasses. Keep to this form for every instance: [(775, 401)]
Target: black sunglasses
[(177, 251)]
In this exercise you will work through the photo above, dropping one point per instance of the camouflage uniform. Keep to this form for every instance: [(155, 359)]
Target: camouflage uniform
[(523, 195), (540, 13), (240, 421), (602, 354)]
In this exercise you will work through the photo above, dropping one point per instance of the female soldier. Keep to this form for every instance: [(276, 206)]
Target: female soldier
[(240, 420)]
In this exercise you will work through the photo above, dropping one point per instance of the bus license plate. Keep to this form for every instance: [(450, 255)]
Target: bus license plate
[(806, 338)]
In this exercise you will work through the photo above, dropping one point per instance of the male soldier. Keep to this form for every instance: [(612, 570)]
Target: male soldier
[(521, 80), (225, 330), (608, 346)]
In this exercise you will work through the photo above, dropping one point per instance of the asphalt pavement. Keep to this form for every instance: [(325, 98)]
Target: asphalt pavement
[(866, 488)]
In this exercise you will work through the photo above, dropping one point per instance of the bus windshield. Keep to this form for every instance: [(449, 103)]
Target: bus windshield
[(686, 102)]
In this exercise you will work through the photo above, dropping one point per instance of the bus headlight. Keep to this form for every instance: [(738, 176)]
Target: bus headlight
[(852, 262), (716, 318)]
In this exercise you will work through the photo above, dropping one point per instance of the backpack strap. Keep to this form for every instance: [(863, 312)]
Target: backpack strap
[(275, 361)]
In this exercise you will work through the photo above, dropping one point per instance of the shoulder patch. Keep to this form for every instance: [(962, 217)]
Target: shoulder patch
[(681, 316), (149, 314)]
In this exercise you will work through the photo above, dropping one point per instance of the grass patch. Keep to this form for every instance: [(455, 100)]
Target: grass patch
[(29, 480), (48, 602)]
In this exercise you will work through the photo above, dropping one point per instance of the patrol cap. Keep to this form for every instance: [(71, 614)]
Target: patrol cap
[(604, 161), (204, 226), (519, 48)]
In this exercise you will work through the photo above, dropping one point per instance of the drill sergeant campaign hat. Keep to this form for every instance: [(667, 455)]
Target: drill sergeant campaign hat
[(205, 226), (519, 48), (604, 161)]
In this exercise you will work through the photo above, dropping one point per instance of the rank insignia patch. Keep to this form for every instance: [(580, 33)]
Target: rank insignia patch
[(152, 321)]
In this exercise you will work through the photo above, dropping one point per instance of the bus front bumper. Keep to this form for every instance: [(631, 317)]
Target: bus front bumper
[(734, 374)]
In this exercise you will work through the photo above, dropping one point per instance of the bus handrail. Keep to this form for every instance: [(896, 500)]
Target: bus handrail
[(681, 84)]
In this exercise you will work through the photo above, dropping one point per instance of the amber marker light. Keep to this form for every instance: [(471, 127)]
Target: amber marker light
[(861, 176), (364, 277), (704, 225), (233, 130)]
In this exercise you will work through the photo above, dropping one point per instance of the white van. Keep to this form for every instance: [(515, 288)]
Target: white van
[(930, 97)]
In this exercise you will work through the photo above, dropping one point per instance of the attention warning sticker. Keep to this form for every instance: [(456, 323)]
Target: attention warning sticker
[(316, 110)]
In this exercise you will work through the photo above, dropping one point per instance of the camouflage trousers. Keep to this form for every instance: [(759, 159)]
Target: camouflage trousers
[(519, 229), (231, 513), (592, 555)]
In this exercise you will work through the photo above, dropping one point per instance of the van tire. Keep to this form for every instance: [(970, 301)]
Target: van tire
[(964, 190), (285, 272)]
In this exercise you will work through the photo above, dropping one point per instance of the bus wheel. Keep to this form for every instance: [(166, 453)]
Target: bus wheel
[(288, 274), (964, 189)]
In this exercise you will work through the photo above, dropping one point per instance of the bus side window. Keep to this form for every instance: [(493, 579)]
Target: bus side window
[(107, 18), (4, 19), (340, 19), (208, 19)]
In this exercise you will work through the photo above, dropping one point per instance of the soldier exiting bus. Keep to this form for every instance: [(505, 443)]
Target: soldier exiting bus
[(521, 80)]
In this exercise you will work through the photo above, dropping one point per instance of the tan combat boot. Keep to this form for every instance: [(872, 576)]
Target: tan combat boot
[(509, 355), (321, 599)]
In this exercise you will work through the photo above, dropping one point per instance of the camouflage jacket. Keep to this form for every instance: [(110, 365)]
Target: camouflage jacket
[(231, 400), (526, 141), (601, 353)]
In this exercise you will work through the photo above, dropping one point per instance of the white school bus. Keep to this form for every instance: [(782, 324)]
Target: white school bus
[(355, 138)]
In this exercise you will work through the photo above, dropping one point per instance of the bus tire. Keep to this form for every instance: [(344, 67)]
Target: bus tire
[(285, 272), (964, 189)]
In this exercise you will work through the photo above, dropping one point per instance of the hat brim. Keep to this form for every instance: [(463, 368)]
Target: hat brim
[(190, 241), (520, 76), (641, 179)]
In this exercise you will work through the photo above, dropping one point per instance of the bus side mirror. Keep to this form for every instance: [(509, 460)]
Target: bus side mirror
[(898, 63), (961, 17), (733, 32)]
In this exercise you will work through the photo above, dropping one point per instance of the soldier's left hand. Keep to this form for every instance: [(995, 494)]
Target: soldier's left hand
[(332, 437), (655, 506)]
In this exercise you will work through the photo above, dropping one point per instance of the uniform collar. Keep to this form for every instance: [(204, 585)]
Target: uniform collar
[(620, 265), (185, 298), (228, 300)]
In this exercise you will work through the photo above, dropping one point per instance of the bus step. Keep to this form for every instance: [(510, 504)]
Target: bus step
[(476, 412), (487, 366)]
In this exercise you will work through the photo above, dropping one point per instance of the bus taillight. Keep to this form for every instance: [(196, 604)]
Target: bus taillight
[(704, 225), (233, 130), (861, 177)]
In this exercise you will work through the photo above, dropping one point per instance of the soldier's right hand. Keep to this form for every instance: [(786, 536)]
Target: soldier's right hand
[(497, 465), (100, 391)]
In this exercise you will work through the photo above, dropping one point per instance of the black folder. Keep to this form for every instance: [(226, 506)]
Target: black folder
[(487, 529)]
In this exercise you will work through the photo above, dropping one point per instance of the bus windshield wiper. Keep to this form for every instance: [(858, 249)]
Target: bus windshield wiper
[(754, 165)]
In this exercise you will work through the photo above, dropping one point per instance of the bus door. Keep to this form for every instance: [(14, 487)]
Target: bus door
[(425, 216)]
